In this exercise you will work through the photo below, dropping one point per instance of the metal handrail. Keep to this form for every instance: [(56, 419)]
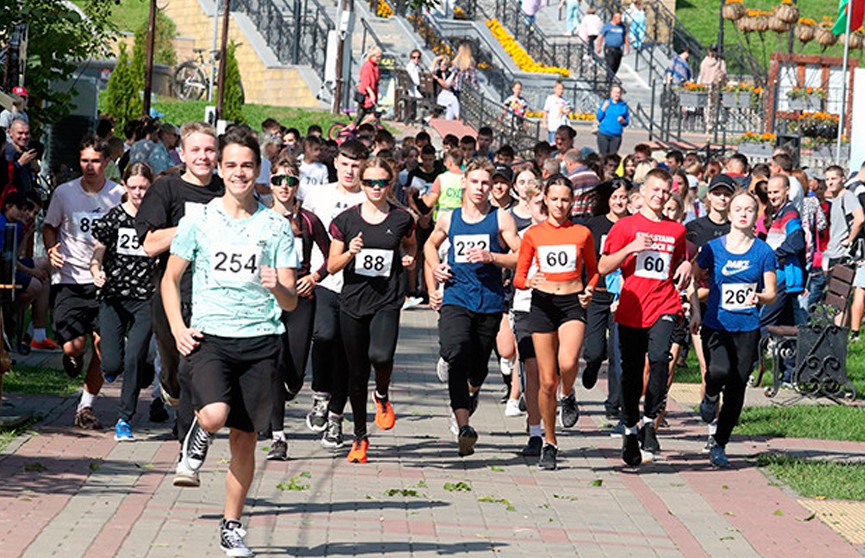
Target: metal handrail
[(520, 133)]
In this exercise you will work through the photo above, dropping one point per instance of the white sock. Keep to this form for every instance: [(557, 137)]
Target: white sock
[(631, 430), (333, 416), (38, 334), (506, 365), (279, 435), (713, 427), (380, 397), (535, 430), (647, 420), (87, 400)]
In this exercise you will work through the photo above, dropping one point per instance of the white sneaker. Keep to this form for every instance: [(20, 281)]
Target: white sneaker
[(507, 366), (185, 477), (512, 408), (411, 302), (442, 370), (454, 427)]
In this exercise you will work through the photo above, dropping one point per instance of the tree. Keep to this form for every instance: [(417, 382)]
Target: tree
[(163, 50), (122, 99), (232, 104)]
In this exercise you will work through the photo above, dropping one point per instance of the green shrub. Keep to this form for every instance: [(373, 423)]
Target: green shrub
[(122, 100)]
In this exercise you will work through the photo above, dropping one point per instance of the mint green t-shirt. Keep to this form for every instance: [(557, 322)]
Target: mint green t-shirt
[(226, 255)]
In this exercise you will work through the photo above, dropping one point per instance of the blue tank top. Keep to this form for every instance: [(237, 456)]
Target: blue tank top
[(474, 286)]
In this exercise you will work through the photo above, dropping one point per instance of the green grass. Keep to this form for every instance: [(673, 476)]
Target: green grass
[(817, 479), (178, 112), (129, 15), (701, 18), (39, 381), (822, 422)]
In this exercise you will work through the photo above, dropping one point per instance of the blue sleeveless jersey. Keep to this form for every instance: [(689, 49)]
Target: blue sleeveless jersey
[(474, 286)]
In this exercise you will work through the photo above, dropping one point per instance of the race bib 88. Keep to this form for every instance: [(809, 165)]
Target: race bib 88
[(373, 262), (558, 258), (653, 265), (128, 243), (465, 242), (232, 263), (737, 296)]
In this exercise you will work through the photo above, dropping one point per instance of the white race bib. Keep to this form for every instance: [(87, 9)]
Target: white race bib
[(737, 296), (653, 265), (558, 258), (235, 263), (128, 243), (465, 242), (373, 262), (82, 223)]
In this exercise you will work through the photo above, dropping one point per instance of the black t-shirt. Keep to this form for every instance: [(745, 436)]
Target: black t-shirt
[(164, 204), (373, 278), (128, 270), (599, 226), (702, 230)]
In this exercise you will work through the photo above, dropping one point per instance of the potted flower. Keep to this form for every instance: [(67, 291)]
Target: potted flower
[(806, 29), (805, 98), (824, 35), (740, 95), (823, 148), (753, 144), (693, 95), (733, 10), (787, 12)]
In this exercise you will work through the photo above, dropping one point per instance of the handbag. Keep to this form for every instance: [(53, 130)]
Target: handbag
[(359, 97)]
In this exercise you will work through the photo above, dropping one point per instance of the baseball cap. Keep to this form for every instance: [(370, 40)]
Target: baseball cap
[(20, 91), (723, 181), (505, 172)]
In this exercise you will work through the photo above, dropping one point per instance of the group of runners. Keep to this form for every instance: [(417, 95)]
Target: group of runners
[(238, 296)]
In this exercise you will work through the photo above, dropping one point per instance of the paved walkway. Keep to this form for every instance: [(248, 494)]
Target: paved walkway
[(69, 493)]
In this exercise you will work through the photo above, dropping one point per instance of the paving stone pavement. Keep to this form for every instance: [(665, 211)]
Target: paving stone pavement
[(70, 493)]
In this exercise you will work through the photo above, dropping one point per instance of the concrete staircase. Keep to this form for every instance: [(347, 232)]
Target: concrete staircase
[(265, 79)]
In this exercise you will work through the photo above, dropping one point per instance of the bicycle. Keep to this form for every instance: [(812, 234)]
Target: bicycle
[(192, 78), (340, 131)]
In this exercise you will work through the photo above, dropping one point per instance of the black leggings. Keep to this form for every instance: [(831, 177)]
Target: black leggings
[(635, 344), (730, 358), (597, 325), (174, 371), (329, 375), (368, 341), (467, 339), (293, 354)]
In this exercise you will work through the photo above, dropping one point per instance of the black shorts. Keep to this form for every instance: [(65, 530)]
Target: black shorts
[(682, 332), (549, 311), (75, 311), (238, 372), (523, 335)]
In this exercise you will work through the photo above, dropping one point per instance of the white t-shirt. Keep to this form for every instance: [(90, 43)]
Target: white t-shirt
[(327, 201), (311, 175), (797, 194), (557, 112), (72, 212)]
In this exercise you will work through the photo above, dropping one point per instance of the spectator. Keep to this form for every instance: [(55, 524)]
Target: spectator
[(584, 182), (590, 27), (782, 163), (140, 151), (530, 10), (614, 39), (857, 309), (466, 73), (159, 159), (516, 105), (679, 71), (564, 141), (367, 89), (20, 96), (556, 110), (572, 15), (613, 116), (635, 19), (713, 74), (445, 76), (20, 151), (414, 71)]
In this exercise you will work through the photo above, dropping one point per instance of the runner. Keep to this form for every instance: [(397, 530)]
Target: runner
[(368, 241), (243, 255), (611, 205), (169, 199), (67, 234), (329, 366), (647, 247), (296, 341), (741, 273), (473, 299), (123, 273), (560, 249)]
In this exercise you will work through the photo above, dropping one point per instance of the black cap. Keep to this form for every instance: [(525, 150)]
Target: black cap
[(723, 181), (505, 172)]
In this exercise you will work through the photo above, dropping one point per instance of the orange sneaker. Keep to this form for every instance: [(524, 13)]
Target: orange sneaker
[(46, 345), (385, 418), (358, 451)]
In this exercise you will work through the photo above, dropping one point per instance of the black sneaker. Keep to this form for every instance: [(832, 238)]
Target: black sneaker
[(278, 451), (72, 365), (316, 419), (570, 412), (522, 403), (231, 535), (631, 454), (548, 458), (467, 440), (533, 447), (195, 446), (590, 376), (648, 438), (158, 412), (474, 399), (709, 408), (332, 438)]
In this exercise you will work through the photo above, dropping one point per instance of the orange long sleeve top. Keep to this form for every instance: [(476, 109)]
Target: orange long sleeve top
[(560, 253)]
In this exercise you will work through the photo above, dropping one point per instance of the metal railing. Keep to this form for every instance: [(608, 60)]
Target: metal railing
[(520, 133)]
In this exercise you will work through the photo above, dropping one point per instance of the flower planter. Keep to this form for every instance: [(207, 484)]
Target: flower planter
[(754, 149), (693, 99), (810, 103), (828, 152), (740, 99)]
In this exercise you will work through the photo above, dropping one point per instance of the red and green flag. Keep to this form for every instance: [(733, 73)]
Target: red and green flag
[(855, 9)]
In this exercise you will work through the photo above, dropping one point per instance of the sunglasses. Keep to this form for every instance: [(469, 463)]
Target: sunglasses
[(415, 57), (287, 180), (376, 183)]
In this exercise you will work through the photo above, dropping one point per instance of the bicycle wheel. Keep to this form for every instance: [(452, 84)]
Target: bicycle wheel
[(190, 81), (334, 131)]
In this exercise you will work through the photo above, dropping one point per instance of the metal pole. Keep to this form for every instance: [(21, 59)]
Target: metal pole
[(223, 54), (344, 7), (213, 51), (843, 111), (148, 59)]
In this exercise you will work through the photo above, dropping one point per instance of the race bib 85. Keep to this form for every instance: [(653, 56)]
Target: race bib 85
[(373, 262), (653, 265), (559, 258), (465, 242), (232, 263), (82, 223)]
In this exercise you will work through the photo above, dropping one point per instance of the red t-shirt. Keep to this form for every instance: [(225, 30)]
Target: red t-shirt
[(648, 291), (370, 75)]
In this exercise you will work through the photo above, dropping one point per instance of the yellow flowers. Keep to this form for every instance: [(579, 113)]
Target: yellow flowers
[(519, 55), (583, 116), (754, 137), (733, 1), (383, 9), (692, 86), (807, 21)]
